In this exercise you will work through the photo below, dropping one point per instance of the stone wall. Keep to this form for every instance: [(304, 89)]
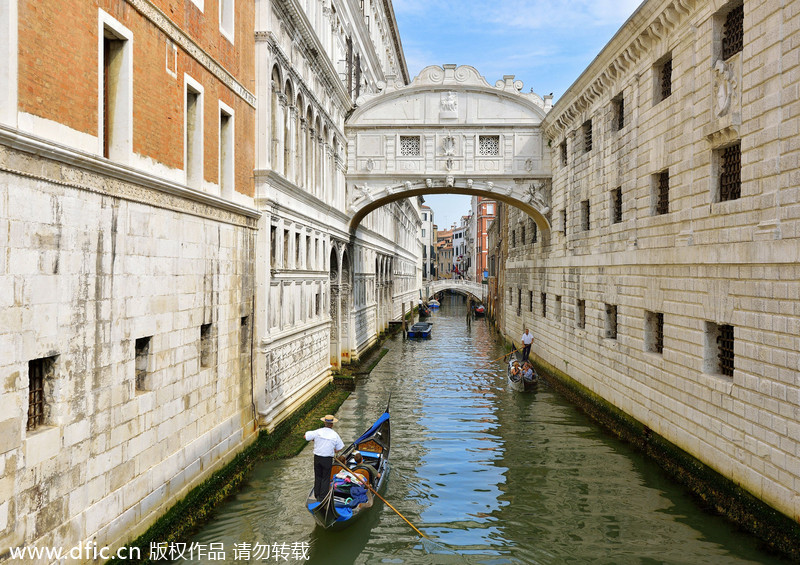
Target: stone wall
[(704, 265), (137, 308)]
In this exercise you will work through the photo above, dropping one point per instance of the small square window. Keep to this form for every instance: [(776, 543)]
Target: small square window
[(39, 372), (654, 332), (488, 145), (142, 362), (719, 353), (410, 146)]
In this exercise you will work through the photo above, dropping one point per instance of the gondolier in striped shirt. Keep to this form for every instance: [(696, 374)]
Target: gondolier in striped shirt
[(326, 443)]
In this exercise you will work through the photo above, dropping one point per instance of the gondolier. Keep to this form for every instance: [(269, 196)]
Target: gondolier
[(527, 339), (326, 443)]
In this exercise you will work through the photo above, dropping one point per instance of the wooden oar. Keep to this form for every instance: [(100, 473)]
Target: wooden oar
[(506, 355), (366, 484)]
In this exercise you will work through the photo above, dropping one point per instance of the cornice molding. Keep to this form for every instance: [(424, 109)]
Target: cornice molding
[(201, 203), (177, 36), (649, 25)]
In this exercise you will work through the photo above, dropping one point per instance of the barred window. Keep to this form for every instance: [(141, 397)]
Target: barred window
[(564, 221), (730, 172), (544, 304), (611, 321), (142, 347), (39, 370), (580, 314), (530, 300), (733, 32), (654, 332), (534, 232), (563, 147), (616, 205), (585, 211), (557, 309), (663, 79), (522, 235), (206, 346), (409, 146), (519, 301), (725, 354), (587, 136), (662, 193), (619, 112), (488, 145)]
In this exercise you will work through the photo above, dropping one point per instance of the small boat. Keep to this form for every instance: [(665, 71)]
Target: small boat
[(479, 311), (348, 500), (519, 383), (421, 330), (424, 311), (433, 304)]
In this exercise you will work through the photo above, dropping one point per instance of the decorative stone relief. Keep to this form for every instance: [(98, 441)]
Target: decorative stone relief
[(449, 105), (539, 195), (725, 87), (449, 146)]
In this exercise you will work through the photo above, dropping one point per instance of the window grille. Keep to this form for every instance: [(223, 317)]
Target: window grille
[(142, 353), (666, 79), (733, 32), (510, 296), (662, 205), (244, 332), (206, 346), (730, 181), (581, 318), (513, 238), (611, 321), (409, 146), (563, 153), (534, 233), (620, 112), (725, 344), (36, 373), (585, 211), (544, 305), (587, 135), (557, 309), (519, 301), (655, 331), (530, 300), (522, 235), (616, 205), (564, 220), (488, 145)]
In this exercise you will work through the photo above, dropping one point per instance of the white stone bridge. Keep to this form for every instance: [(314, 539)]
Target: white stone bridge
[(476, 290)]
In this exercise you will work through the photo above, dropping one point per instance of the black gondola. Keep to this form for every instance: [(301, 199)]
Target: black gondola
[(519, 383), (347, 500)]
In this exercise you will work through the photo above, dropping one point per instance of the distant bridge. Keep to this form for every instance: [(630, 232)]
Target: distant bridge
[(477, 290)]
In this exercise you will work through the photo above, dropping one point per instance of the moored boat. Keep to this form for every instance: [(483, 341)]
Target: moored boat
[(433, 304), (353, 483), (420, 330), (479, 311)]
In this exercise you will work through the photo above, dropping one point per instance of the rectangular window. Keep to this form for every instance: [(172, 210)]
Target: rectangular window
[(585, 215), (660, 193), (490, 209), (563, 150), (244, 336), (544, 304), (611, 321), (718, 358), (654, 332), (226, 14), (663, 75), (733, 32), (530, 301), (115, 88), (193, 141), (488, 145), (522, 235), (273, 242), (297, 249), (587, 136), (206, 346), (423, 232), (534, 232), (619, 112), (39, 371), (557, 309), (226, 142), (616, 205), (316, 304), (410, 146), (564, 221), (142, 362), (510, 297), (513, 238), (309, 265), (730, 172), (580, 314), (519, 301)]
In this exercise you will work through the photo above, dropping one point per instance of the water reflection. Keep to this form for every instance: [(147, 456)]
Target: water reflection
[(493, 476)]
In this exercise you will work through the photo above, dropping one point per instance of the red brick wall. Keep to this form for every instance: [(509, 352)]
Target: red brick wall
[(58, 75)]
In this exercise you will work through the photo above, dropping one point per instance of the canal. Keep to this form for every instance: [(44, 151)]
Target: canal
[(492, 476)]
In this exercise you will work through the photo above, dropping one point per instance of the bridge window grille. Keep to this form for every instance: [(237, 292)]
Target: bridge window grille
[(665, 79), (544, 305), (619, 112), (563, 147), (662, 193), (488, 145), (39, 370), (611, 321), (580, 314), (725, 341), (730, 179), (585, 211), (410, 146), (654, 332), (616, 205), (587, 136), (733, 32)]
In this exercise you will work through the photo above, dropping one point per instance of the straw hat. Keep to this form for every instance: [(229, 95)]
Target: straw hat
[(329, 419)]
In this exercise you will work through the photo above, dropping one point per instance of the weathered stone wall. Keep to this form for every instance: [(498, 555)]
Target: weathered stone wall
[(704, 263), (89, 265)]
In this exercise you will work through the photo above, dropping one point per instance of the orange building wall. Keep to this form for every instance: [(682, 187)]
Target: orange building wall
[(58, 78)]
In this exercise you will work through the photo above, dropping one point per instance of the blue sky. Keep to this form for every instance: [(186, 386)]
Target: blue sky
[(546, 44)]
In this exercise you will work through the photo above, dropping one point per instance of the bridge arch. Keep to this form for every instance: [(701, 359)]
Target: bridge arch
[(470, 288)]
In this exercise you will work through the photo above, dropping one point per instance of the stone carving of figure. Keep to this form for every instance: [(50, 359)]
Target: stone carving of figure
[(449, 102), (724, 86), (429, 183), (450, 181), (449, 146), (539, 196)]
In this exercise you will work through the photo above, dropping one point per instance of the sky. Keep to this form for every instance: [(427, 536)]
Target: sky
[(546, 44)]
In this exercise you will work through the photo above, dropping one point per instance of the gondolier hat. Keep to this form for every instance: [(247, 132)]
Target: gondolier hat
[(329, 419)]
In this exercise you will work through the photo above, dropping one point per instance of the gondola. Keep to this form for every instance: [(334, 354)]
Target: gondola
[(479, 311), (520, 384), (346, 500), (433, 304)]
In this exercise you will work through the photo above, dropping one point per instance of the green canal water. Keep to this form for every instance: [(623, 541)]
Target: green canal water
[(493, 477)]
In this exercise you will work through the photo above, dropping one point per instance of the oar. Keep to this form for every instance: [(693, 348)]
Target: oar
[(366, 484), (514, 350)]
